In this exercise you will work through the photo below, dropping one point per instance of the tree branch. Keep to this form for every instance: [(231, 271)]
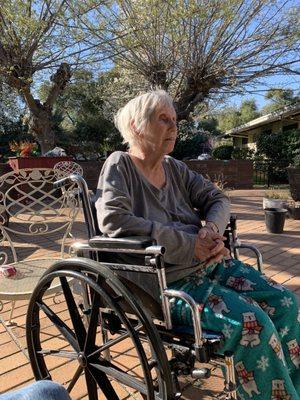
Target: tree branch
[(60, 79)]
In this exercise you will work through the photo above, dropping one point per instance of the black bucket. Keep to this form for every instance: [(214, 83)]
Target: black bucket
[(275, 218)]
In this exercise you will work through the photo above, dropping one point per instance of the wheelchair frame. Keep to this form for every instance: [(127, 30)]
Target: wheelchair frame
[(201, 347)]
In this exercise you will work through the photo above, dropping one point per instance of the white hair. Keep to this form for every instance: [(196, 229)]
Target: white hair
[(139, 110)]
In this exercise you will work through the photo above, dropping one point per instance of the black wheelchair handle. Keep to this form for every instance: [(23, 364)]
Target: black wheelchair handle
[(84, 193), (233, 224)]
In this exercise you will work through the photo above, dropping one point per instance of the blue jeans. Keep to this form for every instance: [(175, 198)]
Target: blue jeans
[(41, 390)]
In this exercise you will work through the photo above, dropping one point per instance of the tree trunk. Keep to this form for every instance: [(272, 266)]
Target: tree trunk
[(187, 101), (40, 125), (40, 121), (194, 91)]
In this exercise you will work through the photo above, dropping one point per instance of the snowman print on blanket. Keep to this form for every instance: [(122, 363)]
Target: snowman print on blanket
[(251, 330), (278, 390), (197, 278), (247, 379), (294, 350), (267, 308), (276, 346), (248, 300), (217, 304), (240, 283)]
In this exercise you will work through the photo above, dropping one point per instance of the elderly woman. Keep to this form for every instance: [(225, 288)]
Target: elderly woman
[(146, 192)]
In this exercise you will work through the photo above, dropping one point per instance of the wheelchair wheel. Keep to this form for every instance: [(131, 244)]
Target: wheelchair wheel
[(69, 341)]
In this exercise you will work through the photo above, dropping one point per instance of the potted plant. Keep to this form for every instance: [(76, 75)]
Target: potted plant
[(275, 199), (24, 148), (294, 178), (27, 156)]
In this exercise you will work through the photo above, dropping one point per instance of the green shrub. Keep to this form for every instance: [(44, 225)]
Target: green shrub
[(242, 154), (190, 140), (223, 152), (280, 145), (297, 160)]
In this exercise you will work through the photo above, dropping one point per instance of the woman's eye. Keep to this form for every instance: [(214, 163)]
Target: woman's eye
[(167, 120)]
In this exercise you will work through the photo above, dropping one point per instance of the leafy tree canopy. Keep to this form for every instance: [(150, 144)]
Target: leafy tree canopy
[(279, 98), (12, 125), (86, 114), (231, 117), (45, 37), (198, 49)]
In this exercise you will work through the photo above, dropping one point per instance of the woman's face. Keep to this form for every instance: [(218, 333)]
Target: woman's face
[(161, 132)]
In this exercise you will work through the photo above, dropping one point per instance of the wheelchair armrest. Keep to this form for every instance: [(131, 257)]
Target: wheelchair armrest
[(258, 255), (129, 242)]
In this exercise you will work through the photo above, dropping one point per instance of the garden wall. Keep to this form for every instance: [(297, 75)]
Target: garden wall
[(237, 174)]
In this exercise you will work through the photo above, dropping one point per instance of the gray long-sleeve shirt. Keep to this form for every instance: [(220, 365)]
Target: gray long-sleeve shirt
[(128, 204)]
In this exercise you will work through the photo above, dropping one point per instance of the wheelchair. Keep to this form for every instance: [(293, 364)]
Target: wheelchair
[(113, 338)]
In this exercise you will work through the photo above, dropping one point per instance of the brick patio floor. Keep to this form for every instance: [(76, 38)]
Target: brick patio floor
[(281, 254)]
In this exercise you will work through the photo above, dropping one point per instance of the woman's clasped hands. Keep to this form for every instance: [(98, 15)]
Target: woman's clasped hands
[(209, 246)]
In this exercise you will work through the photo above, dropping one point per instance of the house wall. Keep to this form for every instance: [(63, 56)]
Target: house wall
[(252, 134)]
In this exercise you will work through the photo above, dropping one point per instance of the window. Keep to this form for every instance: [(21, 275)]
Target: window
[(244, 140), (267, 131), (289, 127)]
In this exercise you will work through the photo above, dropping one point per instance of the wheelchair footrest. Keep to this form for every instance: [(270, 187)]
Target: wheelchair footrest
[(201, 373)]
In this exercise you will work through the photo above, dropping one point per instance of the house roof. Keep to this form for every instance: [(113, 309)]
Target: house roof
[(287, 112)]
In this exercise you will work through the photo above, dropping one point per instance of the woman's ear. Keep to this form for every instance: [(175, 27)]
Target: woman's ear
[(134, 128)]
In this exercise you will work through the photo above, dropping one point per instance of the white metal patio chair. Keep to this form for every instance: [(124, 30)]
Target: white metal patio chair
[(40, 217), (66, 168)]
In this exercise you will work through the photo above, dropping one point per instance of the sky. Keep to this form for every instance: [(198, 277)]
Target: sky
[(280, 82)]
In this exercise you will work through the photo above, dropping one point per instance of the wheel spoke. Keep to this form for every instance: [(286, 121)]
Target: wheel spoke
[(120, 376), (59, 353), (113, 342), (75, 378), (91, 385), (79, 328), (60, 325), (104, 384), (92, 328)]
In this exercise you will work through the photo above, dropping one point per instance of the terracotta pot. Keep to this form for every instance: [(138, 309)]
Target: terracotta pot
[(17, 163)]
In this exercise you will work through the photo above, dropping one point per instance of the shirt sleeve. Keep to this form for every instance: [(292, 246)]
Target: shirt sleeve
[(116, 218), (211, 202)]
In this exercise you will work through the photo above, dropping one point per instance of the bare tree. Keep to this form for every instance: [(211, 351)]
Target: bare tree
[(39, 37), (195, 48)]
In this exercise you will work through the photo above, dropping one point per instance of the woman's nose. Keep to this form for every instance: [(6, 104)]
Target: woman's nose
[(173, 124)]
